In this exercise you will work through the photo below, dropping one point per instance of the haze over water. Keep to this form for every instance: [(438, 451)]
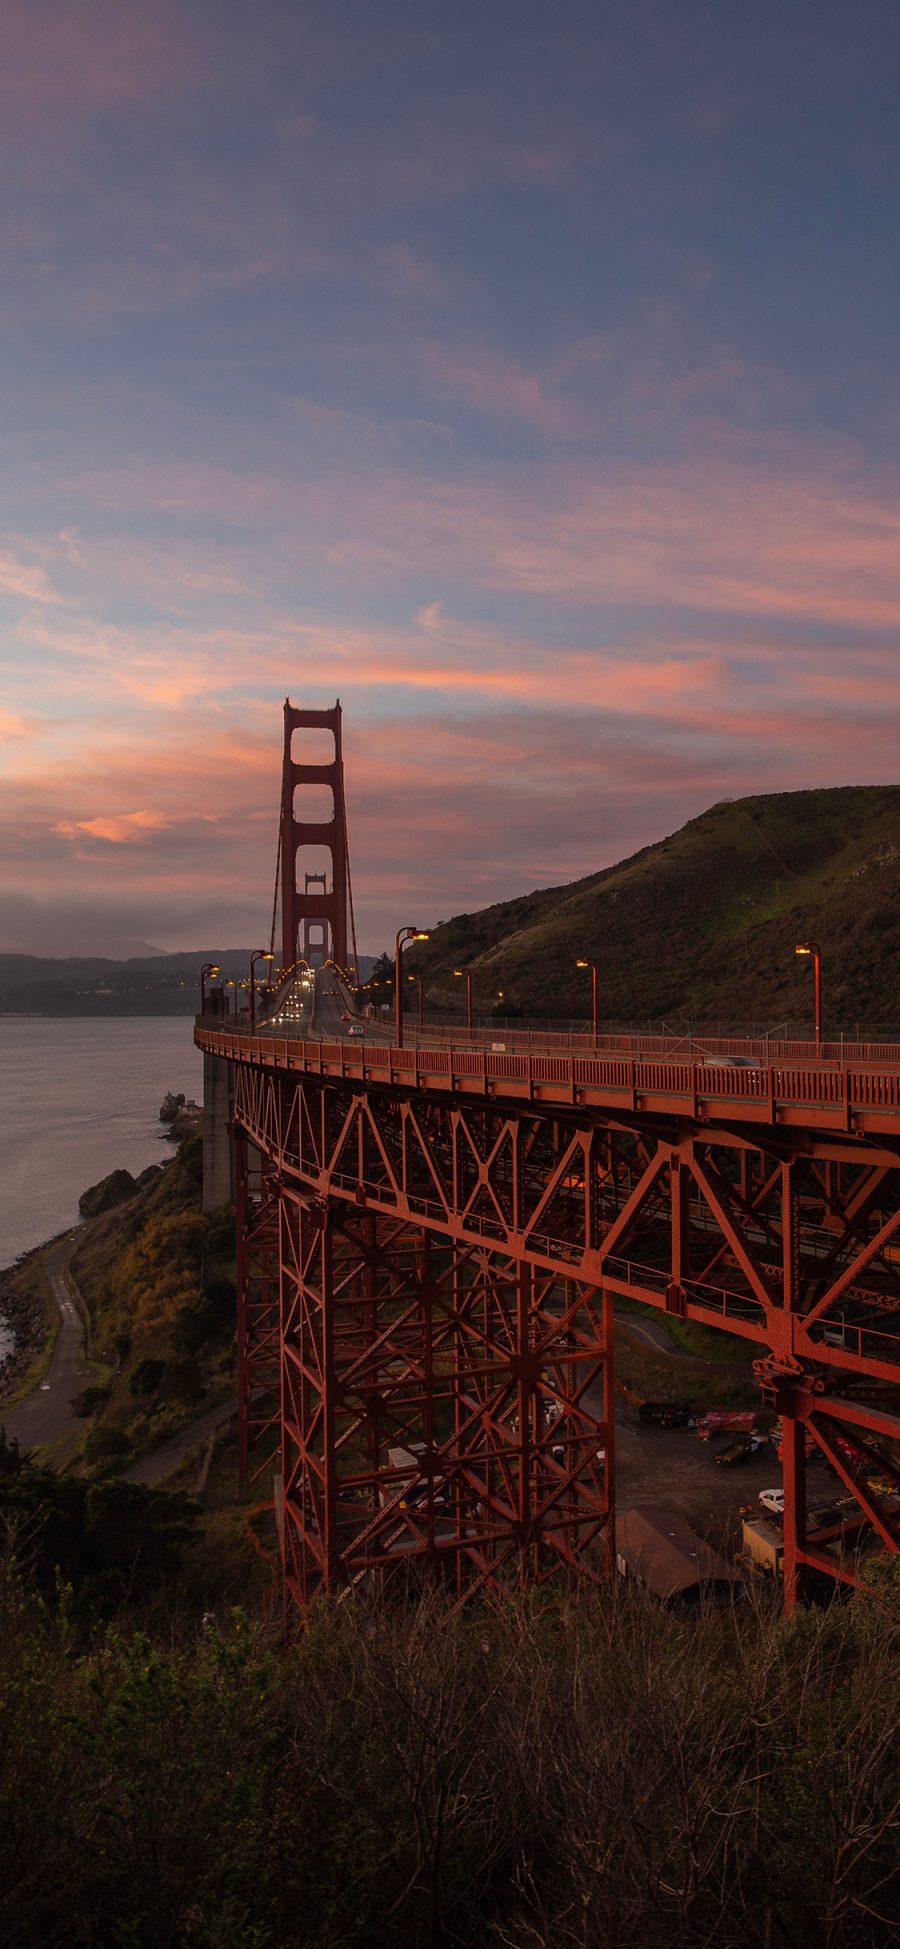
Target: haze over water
[(80, 1099)]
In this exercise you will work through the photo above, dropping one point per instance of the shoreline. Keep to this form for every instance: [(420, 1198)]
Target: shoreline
[(29, 1315), (32, 1317)]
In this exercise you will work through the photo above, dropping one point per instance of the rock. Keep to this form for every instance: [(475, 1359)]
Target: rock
[(147, 1176), (110, 1191), (186, 1123), (170, 1106)]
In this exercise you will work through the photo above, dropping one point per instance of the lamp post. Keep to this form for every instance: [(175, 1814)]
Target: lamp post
[(593, 968), (404, 934), (810, 947), (209, 968), (259, 954), (467, 972)]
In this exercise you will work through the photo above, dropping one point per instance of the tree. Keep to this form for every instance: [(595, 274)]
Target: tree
[(146, 1378)]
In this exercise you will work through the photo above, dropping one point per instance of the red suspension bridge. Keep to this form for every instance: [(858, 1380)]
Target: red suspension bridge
[(431, 1239)]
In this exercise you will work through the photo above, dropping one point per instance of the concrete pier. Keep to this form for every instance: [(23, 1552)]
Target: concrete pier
[(218, 1166)]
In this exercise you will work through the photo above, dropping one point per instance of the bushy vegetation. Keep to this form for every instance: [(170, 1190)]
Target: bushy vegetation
[(583, 1773), (108, 1544), (158, 1279)]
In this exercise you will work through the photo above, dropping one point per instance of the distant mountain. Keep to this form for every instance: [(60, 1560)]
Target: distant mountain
[(113, 947), (147, 984), (703, 925)]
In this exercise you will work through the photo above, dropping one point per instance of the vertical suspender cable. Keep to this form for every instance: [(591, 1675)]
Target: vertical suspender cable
[(277, 876), (349, 881)]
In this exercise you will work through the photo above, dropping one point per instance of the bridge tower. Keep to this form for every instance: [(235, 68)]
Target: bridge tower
[(315, 906)]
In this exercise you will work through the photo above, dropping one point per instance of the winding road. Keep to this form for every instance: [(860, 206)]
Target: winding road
[(46, 1413)]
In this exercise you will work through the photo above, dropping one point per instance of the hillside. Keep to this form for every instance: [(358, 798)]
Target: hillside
[(703, 924)]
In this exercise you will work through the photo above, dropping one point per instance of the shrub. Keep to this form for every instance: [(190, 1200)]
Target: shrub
[(105, 1445), (90, 1401), (193, 1326), (184, 1381), (146, 1378), (221, 1291)]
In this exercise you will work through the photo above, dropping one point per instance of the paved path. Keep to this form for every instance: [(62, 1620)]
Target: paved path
[(166, 1458), (46, 1414), (655, 1335)]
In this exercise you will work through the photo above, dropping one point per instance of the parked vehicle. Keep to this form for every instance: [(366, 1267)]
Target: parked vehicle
[(773, 1500), (664, 1414), (724, 1421), (738, 1451)]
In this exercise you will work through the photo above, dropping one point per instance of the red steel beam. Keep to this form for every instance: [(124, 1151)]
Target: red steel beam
[(536, 1172)]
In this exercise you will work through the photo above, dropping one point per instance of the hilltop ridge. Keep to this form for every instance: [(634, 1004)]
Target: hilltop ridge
[(703, 923)]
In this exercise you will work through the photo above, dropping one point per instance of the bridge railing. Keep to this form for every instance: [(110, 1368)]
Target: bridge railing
[(762, 1050), (661, 1081), (694, 1046)]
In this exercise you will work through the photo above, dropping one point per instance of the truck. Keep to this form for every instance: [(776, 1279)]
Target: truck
[(664, 1414), (738, 1451)]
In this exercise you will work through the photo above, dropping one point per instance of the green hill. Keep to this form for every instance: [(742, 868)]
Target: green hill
[(703, 925)]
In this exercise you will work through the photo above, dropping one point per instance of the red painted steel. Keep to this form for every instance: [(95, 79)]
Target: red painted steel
[(761, 1206), (258, 1311), (314, 914), (431, 1240)]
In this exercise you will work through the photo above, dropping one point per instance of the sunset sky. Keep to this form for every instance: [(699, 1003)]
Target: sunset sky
[(526, 375)]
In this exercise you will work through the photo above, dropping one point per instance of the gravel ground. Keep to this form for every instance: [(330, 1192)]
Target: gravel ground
[(668, 1468)]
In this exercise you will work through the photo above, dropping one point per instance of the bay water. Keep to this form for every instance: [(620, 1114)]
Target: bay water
[(80, 1099)]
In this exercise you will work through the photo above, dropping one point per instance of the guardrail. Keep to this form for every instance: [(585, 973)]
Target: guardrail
[(826, 1095), (695, 1046)]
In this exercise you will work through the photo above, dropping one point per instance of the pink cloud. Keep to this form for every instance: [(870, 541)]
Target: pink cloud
[(63, 62), (496, 386), (124, 829), (25, 579)]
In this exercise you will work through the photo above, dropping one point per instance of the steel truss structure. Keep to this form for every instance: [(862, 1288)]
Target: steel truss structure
[(448, 1264), (436, 1402)]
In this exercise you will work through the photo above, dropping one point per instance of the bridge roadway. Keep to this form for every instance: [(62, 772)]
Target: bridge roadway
[(847, 1115), (559, 1155), (859, 1094)]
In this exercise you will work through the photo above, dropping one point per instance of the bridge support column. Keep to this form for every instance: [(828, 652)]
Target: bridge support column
[(218, 1183), (793, 1467)]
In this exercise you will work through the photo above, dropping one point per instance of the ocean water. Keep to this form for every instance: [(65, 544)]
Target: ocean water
[(81, 1098)]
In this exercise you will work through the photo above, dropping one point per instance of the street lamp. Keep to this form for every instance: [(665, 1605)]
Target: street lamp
[(810, 947), (208, 968), (404, 934), (259, 954), (593, 968), (467, 972)]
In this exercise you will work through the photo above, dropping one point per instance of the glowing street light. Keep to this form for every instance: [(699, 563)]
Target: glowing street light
[(593, 968), (810, 947), (467, 972), (209, 969), (404, 934), (259, 954)]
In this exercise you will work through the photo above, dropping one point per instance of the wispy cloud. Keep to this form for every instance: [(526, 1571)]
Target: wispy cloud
[(27, 580), (124, 829)]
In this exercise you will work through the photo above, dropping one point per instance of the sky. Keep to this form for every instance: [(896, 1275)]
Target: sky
[(526, 376)]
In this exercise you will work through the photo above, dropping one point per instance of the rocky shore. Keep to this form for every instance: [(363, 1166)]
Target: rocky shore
[(23, 1314), (183, 1116), (24, 1318)]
